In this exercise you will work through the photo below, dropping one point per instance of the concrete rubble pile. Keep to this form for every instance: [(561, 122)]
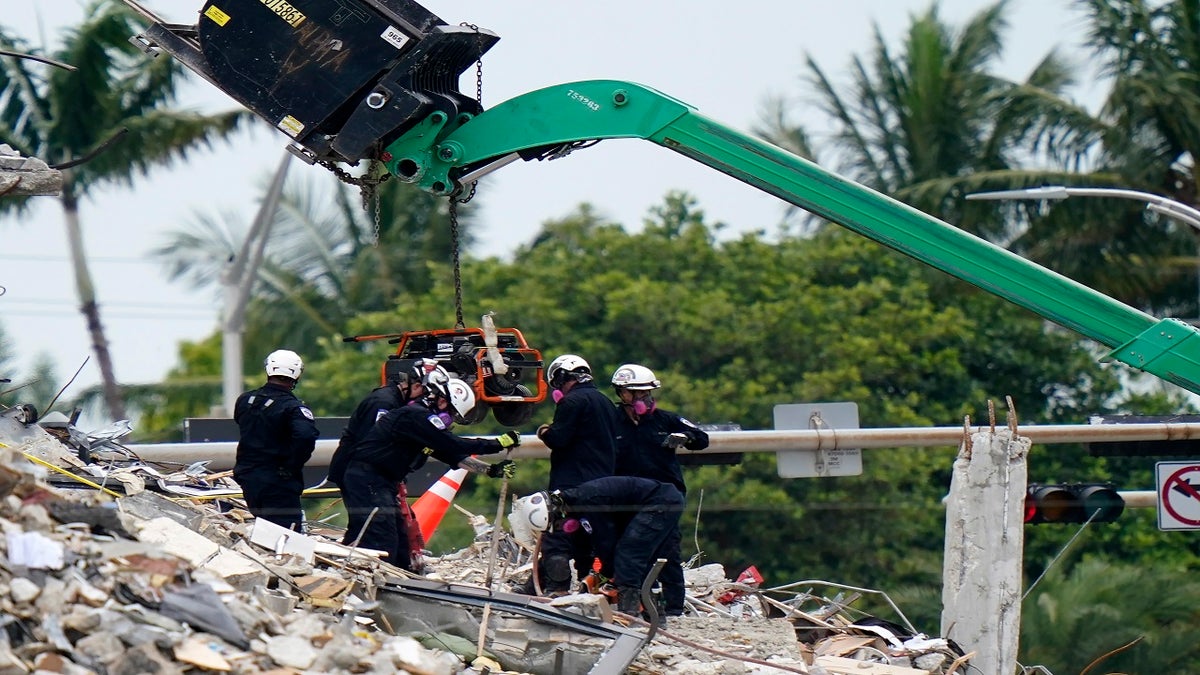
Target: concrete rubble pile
[(100, 575)]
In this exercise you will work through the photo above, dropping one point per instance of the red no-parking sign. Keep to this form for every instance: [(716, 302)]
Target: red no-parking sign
[(1178, 495)]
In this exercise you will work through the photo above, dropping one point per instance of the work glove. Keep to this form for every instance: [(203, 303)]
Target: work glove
[(502, 469), (557, 503), (509, 439), (675, 440)]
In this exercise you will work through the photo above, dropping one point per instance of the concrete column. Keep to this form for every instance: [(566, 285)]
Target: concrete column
[(981, 570)]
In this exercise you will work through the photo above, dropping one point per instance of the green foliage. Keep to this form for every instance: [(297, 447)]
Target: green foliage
[(737, 327), (1099, 608)]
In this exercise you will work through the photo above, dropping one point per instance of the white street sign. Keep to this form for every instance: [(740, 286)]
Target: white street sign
[(831, 459), (1178, 495)]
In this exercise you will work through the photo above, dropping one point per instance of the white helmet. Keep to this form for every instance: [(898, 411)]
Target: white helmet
[(462, 398), (567, 363), (412, 371), (440, 384), (635, 377), (435, 381), (284, 363), (529, 515)]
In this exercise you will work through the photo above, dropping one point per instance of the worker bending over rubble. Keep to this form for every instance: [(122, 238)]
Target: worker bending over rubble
[(632, 520), (276, 438), (403, 385), (399, 441), (647, 440), (582, 443)]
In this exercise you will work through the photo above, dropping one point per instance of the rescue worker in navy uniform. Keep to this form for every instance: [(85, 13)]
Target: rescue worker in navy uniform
[(277, 437), (400, 440), (649, 512), (582, 443), (647, 440), (403, 386)]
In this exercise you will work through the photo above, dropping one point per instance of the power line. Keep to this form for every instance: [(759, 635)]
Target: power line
[(157, 316), (103, 305), (91, 259)]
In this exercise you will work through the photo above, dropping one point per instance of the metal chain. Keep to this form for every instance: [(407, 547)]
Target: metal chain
[(478, 99), (455, 201), (479, 80), (478, 65), (375, 234), (458, 310), (368, 189)]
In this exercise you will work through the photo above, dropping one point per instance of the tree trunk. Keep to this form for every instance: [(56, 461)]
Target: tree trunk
[(87, 303)]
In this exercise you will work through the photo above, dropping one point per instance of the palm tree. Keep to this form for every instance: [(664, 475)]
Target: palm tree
[(1145, 137), (1152, 52), (327, 259), (928, 123), (932, 123), (103, 123)]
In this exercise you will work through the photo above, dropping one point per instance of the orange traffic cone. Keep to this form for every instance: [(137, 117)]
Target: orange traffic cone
[(431, 506)]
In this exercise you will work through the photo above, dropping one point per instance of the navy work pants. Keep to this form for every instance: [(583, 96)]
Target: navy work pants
[(274, 495), (364, 491)]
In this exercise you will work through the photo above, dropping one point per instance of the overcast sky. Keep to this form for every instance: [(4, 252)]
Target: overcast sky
[(723, 58)]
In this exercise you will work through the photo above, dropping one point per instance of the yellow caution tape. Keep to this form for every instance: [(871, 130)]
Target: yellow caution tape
[(64, 472), (312, 492)]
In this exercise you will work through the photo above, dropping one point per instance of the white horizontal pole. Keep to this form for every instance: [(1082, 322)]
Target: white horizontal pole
[(221, 455)]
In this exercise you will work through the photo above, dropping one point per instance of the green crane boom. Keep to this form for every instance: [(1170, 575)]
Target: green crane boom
[(403, 109)]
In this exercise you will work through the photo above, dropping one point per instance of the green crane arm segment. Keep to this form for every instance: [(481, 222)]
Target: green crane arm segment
[(439, 154), (386, 74)]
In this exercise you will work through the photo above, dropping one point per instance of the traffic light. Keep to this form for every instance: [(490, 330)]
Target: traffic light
[(1072, 503)]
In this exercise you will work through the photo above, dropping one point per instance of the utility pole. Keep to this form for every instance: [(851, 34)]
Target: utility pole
[(237, 279)]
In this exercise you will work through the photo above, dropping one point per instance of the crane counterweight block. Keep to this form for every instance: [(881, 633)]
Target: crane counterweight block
[(342, 79)]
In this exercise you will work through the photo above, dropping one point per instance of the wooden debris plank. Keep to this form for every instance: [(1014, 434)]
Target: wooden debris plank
[(201, 653), (840, 645), (837, 665)]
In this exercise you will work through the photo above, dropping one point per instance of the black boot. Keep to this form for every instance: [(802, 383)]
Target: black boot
[(525, 587), (628, 601)]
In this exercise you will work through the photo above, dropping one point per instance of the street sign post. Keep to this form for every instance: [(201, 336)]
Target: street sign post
[(1178, 495), (829, 459)]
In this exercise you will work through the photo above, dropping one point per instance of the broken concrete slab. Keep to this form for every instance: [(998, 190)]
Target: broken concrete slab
[(282, 540), (233, 567), (148, 505), (26, 176)]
